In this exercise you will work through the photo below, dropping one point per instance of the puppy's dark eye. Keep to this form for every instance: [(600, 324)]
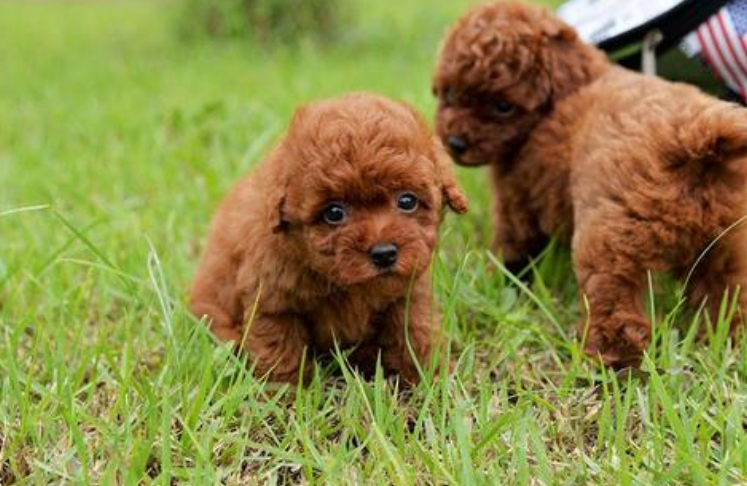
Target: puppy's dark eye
[(503, 108), (334, 214), (407, 202)]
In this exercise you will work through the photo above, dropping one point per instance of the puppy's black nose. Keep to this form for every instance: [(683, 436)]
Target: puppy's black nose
[(457, 145), (384, 255)]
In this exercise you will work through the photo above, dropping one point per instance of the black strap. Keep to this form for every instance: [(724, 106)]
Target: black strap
[(674, 25)]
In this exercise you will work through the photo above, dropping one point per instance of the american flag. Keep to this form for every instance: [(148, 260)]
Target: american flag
[(721, 43)]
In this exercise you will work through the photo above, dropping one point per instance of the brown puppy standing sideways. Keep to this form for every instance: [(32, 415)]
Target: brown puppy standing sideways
[(329, 242), (635, 173)]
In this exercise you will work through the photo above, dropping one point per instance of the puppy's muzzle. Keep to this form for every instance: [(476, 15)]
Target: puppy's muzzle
[(384, 255), (457, 145)]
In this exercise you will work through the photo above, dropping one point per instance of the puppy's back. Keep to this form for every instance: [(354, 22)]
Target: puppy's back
[(660, 153), (672, 126)]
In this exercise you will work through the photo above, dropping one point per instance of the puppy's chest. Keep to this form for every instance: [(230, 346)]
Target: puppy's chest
[(346, 319)]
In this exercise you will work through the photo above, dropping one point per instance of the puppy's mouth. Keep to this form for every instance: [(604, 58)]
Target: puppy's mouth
[(369, 276), (474, 157), (392, 280), (383, 272), (391, 274), (373, 273), (471, 157)]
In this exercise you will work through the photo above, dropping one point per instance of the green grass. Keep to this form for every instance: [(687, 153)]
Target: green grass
[(118, 140)]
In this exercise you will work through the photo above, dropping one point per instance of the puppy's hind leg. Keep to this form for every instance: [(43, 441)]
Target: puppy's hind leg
[(720, 273), (517, 239), (617, 330), (213, 296)]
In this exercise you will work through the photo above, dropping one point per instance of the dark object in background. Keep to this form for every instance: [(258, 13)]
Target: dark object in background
[(642, 35), (676, 66), (624, 23), (263, 21)]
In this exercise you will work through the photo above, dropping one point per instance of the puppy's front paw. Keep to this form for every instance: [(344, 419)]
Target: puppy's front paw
[(619, 340)]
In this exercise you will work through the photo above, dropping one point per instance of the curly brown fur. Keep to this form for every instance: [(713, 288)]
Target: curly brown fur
[(635, 173), (279, 279)]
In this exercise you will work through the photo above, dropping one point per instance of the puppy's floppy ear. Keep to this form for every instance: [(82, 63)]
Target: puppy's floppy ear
[(283, 155), (277, 207), (555, 30), (452, 194), (568, 61), (283, 224)]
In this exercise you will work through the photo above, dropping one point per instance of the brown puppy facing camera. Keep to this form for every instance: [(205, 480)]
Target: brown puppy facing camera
[(635, 173), (329, 242)]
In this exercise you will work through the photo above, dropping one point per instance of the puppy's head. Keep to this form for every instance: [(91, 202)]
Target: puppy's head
[(365, 185), (498, 73)]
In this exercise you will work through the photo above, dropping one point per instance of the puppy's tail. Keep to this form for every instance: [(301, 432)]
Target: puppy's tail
[(713, 142)]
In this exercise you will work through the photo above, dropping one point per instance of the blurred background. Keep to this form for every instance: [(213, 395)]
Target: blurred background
[(133, 117)]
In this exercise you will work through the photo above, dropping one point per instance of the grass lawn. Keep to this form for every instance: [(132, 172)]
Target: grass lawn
[(117, 141)]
